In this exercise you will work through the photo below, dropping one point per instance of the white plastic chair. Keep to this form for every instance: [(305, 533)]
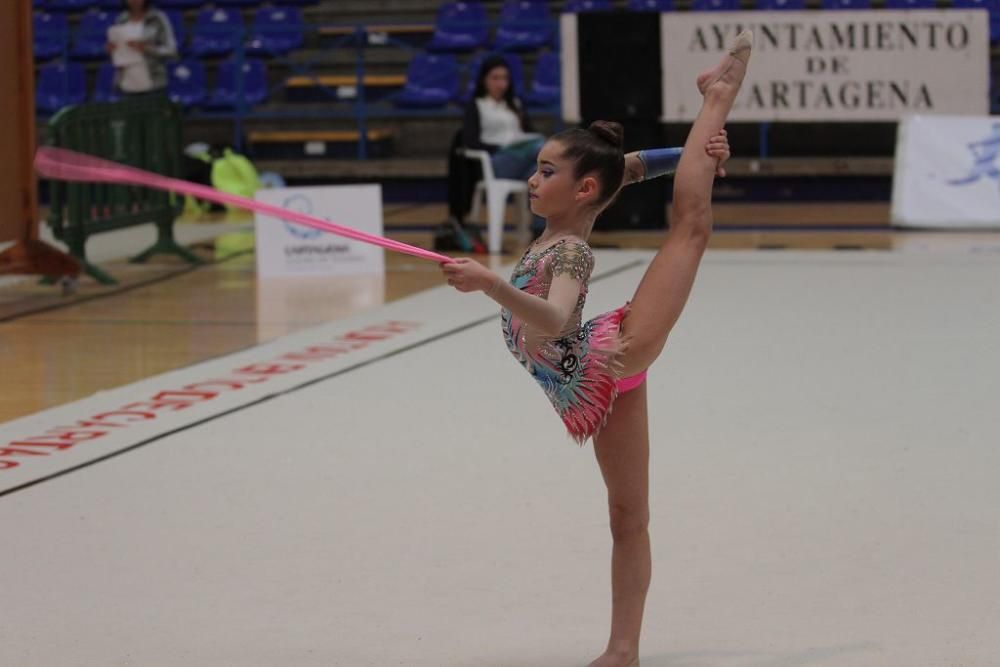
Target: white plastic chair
[(496, 191)]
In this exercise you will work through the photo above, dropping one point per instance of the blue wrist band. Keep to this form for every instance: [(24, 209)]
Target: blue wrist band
[(659, 161)]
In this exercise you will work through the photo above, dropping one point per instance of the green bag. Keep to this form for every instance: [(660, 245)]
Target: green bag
[(235, 174)]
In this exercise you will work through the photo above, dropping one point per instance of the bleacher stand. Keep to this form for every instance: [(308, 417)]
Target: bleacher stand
[(60, 84), (439, 50), (226, 93), (460, 27), (178, 26), (545, 85), (715, 5), (104, 88), (238, 3), (216, 32), (186, 83), (524, 25), (650, 5), (68, 5), (276, 31), (431, 82), (50, 34), (778, 5), (910, 4), (579, 6), (847, 5), (180, 4), (91, 35)]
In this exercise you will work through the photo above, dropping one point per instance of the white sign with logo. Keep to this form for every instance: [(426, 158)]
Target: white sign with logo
[(870, 65), (289, 249), (947, 172)]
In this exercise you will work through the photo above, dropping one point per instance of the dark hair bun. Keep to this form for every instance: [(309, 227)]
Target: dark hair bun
[(609, 131)]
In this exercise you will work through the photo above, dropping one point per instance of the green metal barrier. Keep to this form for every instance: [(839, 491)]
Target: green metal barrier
[(144, 132)]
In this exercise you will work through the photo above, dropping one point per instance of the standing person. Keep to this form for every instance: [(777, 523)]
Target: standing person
[(585, 368), (140, 41)]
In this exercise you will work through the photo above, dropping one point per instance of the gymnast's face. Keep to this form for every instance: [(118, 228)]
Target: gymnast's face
[(553, 189)]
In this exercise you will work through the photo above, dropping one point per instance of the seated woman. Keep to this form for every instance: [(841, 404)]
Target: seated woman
[(495, 121)]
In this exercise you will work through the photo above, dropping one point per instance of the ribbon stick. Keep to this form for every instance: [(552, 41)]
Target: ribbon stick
[(66, 165)]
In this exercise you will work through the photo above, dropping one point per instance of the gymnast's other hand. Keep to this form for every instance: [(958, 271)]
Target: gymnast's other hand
[(718, 147), (468, 275)]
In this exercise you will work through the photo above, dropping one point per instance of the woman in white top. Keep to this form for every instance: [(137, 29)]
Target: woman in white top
[(495, 121), (139, 42)]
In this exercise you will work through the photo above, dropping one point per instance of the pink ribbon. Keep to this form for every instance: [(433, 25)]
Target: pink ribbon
[(66, 165)]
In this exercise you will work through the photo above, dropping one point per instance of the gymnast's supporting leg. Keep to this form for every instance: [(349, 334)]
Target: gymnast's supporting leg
[(622, 451), (622, 446)]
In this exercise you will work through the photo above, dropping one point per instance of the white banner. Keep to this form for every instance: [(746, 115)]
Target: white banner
[(947, 172), (869, 65), (288, 249)]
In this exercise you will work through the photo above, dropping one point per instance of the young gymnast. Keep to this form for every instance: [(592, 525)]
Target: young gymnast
[(585, 368)]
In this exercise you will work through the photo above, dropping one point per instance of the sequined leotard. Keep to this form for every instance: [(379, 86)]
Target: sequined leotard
[(579, 369)]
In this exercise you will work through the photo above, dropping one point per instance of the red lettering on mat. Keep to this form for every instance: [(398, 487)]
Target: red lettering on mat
[(65, 437)]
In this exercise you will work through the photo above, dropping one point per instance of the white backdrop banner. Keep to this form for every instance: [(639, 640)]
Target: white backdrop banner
[(834, 66), (947, 172), (288, 249)]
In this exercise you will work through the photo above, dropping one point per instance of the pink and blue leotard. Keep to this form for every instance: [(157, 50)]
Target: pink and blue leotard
[(579, 370)]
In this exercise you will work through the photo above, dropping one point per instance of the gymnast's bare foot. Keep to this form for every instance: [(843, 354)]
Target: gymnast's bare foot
[(727, 76), (616, 659)]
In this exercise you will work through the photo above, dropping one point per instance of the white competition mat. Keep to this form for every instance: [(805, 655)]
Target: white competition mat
[(824, 488)]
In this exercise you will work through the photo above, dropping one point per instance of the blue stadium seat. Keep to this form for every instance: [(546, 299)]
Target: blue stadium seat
[(186, 83), (225, 95), (68, 5), (91, 35), (104, 88), (777, 5), (650, 5), (238, 3), (472, 69), (578, 6), (545, 85), (216, 32), (524, 25), (179, 4), (431, 81), (715, 5), (59, 85), (177, 24), (51, 33), (910, 4), (847, 4), (992, 6), (276, 31), (460, 26), (109, 5)]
